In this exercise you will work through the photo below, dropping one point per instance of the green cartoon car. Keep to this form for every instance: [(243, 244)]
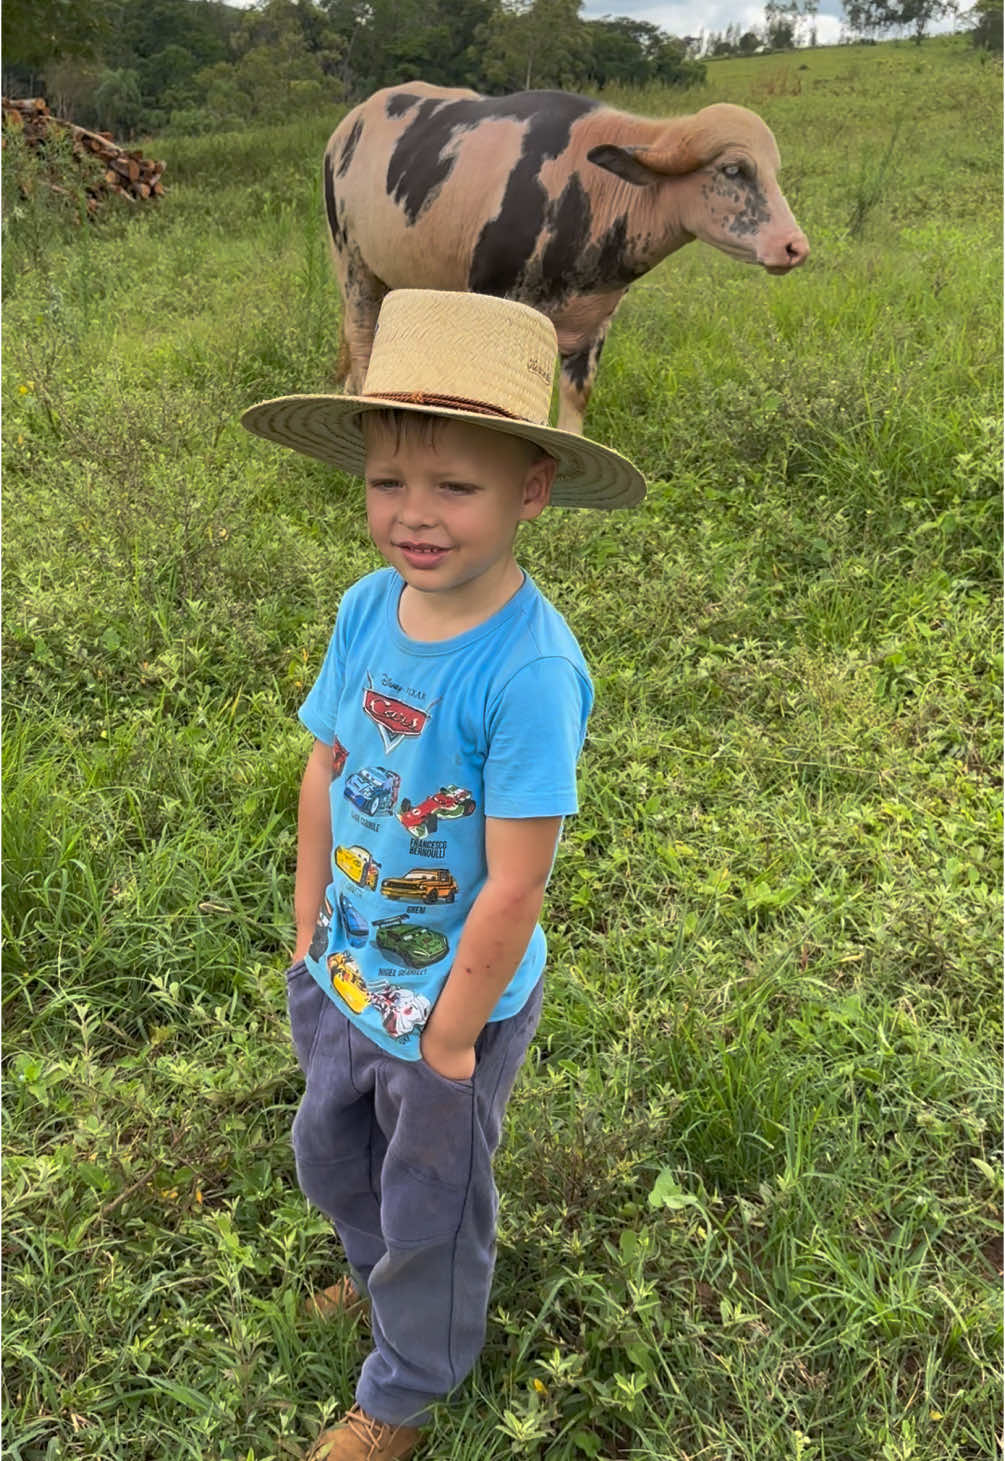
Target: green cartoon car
[(413, 945)]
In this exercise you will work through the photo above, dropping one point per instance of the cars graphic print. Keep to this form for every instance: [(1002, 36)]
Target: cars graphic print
[(401, 1011), (352, 923), (373, 789), (448, 802), (347, 982), (359, 865), (319, 939), (339, 757), (415, 945), (421, 885)]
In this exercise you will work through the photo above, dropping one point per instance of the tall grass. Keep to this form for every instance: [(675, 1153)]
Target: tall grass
[(752, 1178)]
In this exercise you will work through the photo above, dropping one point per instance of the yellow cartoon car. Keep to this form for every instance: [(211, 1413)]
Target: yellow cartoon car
[(348, 982), (357, 864)]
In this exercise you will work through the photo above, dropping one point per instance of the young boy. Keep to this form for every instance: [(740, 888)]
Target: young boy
[(447, 718)]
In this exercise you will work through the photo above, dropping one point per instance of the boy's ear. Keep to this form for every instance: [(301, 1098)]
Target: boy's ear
[(537, 487)]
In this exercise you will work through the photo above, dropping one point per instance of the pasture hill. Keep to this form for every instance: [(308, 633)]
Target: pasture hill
[(752, 1174)]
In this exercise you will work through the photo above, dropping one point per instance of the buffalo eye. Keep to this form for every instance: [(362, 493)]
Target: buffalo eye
[(735, 170)]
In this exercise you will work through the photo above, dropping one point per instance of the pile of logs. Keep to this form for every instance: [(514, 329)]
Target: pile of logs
[(126, 171)]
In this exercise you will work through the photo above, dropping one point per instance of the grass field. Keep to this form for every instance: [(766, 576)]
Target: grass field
[(752, 1175)]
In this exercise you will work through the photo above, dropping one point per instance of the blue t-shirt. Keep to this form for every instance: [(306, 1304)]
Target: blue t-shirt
[(428, 739)]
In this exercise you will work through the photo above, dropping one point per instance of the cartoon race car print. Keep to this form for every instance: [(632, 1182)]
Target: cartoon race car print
[(414, 945), (352, 922), (348, 982), (319, 940), (421, 885), (401, 1011), (339, 757), (449, 801), (358, 865), (374, 790)]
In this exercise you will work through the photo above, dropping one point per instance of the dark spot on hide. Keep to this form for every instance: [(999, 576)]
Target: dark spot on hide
[(580, 368), (507, 242), (612, 265), (749, 205), (418, 166), (570, 228), (755, 213), (577, 367), (331, 210), (400, 103), (349, 148)]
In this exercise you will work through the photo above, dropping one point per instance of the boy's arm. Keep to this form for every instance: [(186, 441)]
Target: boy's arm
[(519, 854), (314, 845)]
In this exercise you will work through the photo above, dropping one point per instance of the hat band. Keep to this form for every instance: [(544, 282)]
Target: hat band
[(448, 403)]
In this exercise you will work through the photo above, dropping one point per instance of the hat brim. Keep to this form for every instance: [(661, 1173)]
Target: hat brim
[(330, 428)]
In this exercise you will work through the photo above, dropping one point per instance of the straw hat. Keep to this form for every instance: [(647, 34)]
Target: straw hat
[(469, 357)]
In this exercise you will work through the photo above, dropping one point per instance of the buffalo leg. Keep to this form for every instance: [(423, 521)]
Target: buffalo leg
[(362, 293), (579, 370)]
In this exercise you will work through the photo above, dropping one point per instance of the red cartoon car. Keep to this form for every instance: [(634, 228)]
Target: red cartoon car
[(449, 801), (339, 757)]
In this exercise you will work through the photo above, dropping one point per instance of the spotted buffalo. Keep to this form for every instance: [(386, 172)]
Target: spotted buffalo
[(544, 197)]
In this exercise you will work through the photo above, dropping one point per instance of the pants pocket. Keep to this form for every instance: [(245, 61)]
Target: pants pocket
[(305, 1002), (429, 1121)]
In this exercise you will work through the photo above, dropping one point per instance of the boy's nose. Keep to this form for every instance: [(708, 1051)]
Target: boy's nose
[(415, 509)]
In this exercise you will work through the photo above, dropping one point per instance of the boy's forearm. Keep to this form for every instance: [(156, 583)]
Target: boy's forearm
[(314, 845), (495, 938)]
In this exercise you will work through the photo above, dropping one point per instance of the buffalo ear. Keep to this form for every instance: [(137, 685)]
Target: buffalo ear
[(622, 162)]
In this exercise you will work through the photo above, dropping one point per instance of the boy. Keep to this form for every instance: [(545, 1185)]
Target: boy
[(447, 720)]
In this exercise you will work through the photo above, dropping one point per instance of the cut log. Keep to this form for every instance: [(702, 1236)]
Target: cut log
[(126, 172)]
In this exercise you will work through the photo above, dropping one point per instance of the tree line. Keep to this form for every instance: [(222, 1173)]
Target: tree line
[(201, 65), (129, 65)]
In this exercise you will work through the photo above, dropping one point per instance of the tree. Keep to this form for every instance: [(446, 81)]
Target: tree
[(619, 50), (117, 101), (987, 32), (384, 42), (723, 43), (872, 17), (538, 44), (275, 72), (636, 51), (35, 32), (780, 24), (146, 28), (69, 88)]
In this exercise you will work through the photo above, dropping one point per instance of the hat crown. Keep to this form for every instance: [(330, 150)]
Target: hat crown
[(473, 350)]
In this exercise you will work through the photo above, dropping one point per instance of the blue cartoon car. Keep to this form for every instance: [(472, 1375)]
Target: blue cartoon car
[(352, 922), (374, 790)]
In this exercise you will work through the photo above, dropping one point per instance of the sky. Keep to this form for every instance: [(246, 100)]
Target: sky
[(689, 17)]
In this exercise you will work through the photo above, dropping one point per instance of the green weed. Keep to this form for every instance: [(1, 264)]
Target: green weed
[(751, 1186)]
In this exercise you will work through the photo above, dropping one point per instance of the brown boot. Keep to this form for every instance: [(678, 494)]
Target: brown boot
[(358, 1437), (339, 1298)]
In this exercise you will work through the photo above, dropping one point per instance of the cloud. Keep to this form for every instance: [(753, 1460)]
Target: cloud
[(680, 18)]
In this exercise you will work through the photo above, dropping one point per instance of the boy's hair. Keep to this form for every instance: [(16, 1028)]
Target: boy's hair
[(426, 428)]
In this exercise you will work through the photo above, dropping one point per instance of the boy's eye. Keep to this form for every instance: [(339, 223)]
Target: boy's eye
[(459, 489), (382, 484)]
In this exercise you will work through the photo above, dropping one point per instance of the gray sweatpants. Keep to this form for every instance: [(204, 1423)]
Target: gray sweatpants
[(400, 1159)]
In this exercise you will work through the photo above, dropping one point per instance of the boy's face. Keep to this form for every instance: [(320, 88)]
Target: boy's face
[(443, 505)]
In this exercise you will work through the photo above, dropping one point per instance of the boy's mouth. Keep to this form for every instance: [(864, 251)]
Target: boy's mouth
[(421, 555)]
